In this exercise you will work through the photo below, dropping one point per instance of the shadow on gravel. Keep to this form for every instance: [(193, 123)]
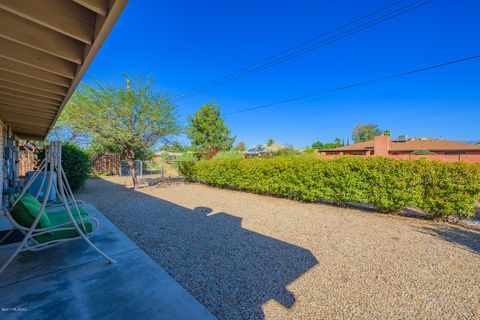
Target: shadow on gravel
[(470, 239), (231, 270)]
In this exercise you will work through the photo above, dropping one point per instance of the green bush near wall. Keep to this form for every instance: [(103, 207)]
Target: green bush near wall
[(439, 188), (76, 163)]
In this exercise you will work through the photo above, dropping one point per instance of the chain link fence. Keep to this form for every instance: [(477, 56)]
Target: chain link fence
[(160, 168)]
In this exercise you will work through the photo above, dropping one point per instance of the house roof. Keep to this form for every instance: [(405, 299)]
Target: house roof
[(414, 144), (264, 148), (45, 49)]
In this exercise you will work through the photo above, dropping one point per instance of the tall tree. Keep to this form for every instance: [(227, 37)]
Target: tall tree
[(317, 145), (131, 119), (365, 132), (208, 132), (270, 142), (328, 145)]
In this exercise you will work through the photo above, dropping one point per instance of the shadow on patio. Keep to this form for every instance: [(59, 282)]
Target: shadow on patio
[(231, 270)]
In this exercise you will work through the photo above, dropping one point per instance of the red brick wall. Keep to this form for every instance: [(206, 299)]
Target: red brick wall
[(472, 158)]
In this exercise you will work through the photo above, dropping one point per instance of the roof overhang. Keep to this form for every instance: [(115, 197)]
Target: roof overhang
[(45, 49)]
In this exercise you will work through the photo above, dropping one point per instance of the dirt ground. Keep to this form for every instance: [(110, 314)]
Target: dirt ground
[(247, 256)]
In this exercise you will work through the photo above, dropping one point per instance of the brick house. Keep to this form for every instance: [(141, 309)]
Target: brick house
[(435, 149)]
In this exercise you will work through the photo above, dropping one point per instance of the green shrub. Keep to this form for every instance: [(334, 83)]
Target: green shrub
[(75, 162), (187, 168), (185, 157), (231, 154), (438, 188)]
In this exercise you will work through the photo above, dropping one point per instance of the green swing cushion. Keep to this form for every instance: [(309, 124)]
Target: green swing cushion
[(58, 217), (25, 212), (30, 198), (26, 209)]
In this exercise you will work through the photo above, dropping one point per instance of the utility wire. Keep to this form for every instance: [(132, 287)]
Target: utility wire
[(301, 49), (308, 49), (294, 47), (357, 84)]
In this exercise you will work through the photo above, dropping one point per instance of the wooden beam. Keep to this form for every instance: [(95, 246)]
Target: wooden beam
[(21, 88), (25, 114), (32, 83), (25, 120), (29, 134), (31, 97), (97, 6), (30, 34), (102, 29), (66, 17), (35, 58), (34, 73), (27, 131), (26, 108), (16, 102)]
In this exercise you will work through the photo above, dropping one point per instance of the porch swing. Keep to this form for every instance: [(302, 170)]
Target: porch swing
[(44, 224)]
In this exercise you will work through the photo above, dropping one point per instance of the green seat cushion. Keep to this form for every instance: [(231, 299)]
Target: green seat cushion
[(58, 217), (31, 199), (25, 211), (26, 196)]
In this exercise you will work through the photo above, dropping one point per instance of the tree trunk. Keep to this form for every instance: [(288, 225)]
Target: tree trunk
[(133, 171)]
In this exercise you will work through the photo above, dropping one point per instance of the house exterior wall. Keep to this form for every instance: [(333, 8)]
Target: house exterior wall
[(442, 157), (448, 153), (2, 160), (471, 158), (381, 147), (8, 161)]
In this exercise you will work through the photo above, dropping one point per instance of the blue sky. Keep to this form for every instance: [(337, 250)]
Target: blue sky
[(183, 44)]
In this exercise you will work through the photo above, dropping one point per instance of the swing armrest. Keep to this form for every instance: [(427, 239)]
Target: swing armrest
[(63, 226), (70, 203)]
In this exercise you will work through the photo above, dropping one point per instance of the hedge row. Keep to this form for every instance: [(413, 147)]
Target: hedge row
[(439, 188)]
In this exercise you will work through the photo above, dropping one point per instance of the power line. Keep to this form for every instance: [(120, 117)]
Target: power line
[(306, 50), (294, 47), (357, 84), (313, 44)]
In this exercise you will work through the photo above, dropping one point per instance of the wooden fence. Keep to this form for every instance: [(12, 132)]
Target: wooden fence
[(106, 163), (27, 161)]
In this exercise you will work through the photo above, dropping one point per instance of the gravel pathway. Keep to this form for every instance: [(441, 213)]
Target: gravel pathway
[(247, 256)]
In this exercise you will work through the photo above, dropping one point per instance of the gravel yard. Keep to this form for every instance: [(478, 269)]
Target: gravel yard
[(247, 256)]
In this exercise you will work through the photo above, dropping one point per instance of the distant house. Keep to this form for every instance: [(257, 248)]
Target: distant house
[(171, 155), (263, 149), (413, 148)]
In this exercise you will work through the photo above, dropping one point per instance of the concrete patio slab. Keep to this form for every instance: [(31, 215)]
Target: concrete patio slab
[(109, 239), (72, 282)]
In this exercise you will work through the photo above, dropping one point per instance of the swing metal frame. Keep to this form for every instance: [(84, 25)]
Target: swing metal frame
[(52, 166)]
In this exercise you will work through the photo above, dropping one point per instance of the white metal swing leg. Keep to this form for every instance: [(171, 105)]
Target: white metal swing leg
[(63, 185), (32, 227)]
